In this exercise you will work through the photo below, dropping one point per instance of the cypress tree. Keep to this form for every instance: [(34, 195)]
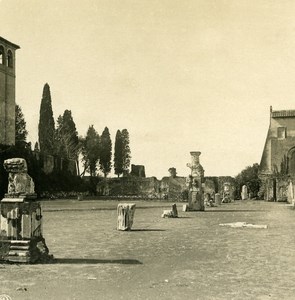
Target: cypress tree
[(126, 157), (90, 151), (67, 136), (46, 130), (105, 152), (118, 155)]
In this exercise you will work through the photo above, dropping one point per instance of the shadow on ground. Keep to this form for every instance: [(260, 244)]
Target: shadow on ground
[(234, 210), (96, 261), (148, 229)]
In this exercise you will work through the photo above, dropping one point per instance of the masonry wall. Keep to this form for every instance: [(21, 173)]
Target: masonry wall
[(7, 95)]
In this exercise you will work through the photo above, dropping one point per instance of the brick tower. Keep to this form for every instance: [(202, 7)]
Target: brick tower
[(7, 92)]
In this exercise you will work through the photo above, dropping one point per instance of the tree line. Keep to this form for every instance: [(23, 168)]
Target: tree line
[(62, 140)]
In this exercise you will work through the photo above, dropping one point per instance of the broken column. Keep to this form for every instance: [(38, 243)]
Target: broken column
[(170, 213), (21, 218), (217, 199), (244, 193), (194, 183), (227, 193), (125, 216)]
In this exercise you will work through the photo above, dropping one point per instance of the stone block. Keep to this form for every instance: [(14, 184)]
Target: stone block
[(185, 207), (125, 216), (170, 213), (217, 199)]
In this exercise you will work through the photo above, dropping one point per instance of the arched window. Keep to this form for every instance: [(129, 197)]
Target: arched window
[(9, 59), (2, 56), (291, 161)]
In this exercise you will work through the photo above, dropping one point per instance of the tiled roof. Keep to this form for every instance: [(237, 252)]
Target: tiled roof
[(283, 113)]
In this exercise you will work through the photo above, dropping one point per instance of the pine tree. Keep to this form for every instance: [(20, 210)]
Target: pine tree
[(46, 130), (105, 152), (118, 155), (126, 157), (90, 151), (20, 125)]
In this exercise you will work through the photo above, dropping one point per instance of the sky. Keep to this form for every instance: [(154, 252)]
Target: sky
[(181, 76)]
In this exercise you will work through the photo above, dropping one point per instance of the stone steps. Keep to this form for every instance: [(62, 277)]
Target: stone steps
[(19, 251)]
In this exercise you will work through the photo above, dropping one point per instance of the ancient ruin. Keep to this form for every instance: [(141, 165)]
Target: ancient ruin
[(277, 166), (170, 213), (244, 193), (194, 183), (125, 216), (228, 193), (21, 238)]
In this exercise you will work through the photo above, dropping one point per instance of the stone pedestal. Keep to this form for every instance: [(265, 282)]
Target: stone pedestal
[(194, 183), (244, 193), (195, 201), (21, 237), (125, 216), (217, 199)]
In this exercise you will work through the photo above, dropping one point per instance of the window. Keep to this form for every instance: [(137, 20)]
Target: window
[(2, 59), (291, 161), (9, 59), (281, 132)]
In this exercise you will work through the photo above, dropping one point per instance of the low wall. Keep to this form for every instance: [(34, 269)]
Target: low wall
[(173, 188)]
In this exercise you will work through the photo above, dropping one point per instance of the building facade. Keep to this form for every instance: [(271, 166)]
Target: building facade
[(7, 91), (277, 166)]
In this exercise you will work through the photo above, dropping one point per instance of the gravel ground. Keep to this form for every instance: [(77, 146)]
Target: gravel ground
[(190, 257)]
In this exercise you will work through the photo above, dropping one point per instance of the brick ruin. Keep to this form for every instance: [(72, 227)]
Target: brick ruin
[(277, 166)]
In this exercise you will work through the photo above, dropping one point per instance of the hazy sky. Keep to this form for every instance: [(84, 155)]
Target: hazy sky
[(179, 75)]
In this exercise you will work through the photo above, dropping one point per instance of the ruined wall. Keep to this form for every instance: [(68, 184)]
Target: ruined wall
[(138, 171), (173, 188), (129, 186), (50, 164)]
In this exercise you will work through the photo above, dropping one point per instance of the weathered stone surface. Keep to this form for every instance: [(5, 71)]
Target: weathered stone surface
[(217, 199), (194, 183), (196, 201), (15, 165), (185, 207), (28, 251), (170, 213), (227, 193), (21, 218), (19, 182), (125, 216), (244, 193)]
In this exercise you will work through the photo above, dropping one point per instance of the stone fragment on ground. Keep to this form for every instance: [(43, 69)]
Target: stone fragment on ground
[(170, 213), (125, 216), (243, 224)]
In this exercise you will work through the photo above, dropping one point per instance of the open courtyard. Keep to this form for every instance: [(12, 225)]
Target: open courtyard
[(190, 257)]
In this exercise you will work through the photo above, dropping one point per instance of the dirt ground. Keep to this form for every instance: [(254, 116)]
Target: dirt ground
[(191, 257)]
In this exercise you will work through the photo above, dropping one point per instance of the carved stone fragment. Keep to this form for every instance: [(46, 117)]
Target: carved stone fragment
[(125, 216)]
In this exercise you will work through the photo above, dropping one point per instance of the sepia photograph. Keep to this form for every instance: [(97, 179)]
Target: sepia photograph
[(147, 149)]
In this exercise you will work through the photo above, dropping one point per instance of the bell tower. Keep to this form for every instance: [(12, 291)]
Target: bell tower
[(7, 91)]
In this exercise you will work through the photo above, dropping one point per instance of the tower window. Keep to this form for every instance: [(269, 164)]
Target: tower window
[(281, 132), (1, 55), (9, 59)]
